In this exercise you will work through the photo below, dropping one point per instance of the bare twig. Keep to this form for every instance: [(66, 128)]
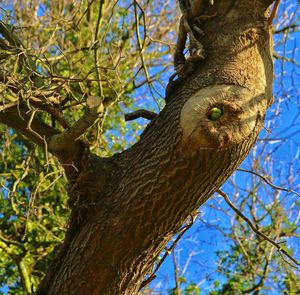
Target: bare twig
[(176, 289), (258, 232), (7, 32), (55, 113), (98, 25), (25, 275), (141, 47), (290, 28), (85, 11)]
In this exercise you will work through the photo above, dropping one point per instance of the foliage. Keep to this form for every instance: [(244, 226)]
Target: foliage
[(33, 211)]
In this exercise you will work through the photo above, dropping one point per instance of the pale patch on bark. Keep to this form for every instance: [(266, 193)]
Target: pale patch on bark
[(242, 110)]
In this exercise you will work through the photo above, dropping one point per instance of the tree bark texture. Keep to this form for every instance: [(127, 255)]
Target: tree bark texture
[(127, 207)]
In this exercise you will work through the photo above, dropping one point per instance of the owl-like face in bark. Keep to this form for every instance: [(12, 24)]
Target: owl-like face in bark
[(219, 116)]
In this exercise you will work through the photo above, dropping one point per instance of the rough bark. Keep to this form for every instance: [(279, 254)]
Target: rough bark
[(126, 208)]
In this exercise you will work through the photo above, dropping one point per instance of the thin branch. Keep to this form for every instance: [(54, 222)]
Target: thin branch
[(141, 48), (35, 101), (55, 113), (292, 27), (7, 32), (31, 118), (66, 139), (261, 281), (258, 232), (25, 276), (10, 242), (274, 12), (269, 183), (100, 88), (18, 118), (176, 289), (286, 59), (18, 258), (84, 13)]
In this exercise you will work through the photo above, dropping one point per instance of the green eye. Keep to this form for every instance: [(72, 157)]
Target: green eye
[(215, 113)]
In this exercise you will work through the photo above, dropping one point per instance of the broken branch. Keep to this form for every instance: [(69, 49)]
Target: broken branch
[(65, 140)]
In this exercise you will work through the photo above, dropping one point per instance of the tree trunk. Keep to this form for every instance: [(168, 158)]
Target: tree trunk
[(127, 207)]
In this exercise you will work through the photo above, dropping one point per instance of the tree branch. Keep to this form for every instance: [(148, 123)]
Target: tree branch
[(22, 121), (273, 12), (292, 27), (37, 100), (7, 32), (25, 275), (65, 140), (258, 232), (268, 182)]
